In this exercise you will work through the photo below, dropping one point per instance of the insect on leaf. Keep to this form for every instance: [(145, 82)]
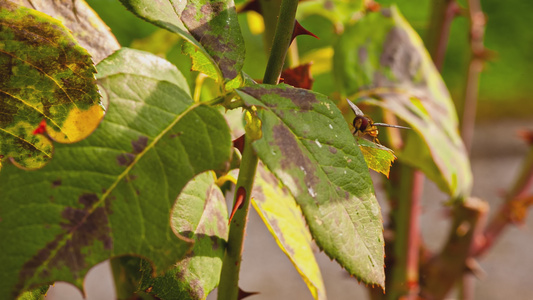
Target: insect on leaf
[(307, 144), (45, 75), (382, 60)]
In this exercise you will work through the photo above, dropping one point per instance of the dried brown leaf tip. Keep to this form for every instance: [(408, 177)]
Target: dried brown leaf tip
[(299, 76), (300, 30)]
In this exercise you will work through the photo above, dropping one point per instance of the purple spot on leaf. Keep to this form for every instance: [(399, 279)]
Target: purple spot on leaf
[(140, 144)]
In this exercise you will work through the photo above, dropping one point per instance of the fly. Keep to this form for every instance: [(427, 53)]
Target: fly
[(363, 124)]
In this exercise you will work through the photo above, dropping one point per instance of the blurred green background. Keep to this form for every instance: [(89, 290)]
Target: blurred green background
[(504, 87)]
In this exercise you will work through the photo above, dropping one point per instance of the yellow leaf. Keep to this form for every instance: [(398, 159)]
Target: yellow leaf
[(78, 125)]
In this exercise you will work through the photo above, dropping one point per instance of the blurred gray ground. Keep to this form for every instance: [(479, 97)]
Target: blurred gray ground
[(496, 157)]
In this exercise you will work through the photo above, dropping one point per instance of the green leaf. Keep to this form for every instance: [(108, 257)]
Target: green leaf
[(378, 158), (200, 62), (284, 219), (307, 144), (200, 213), (37, 294), (211, 26), (382, 60), (127, 61), (45, 75), (112, 193), (88, 29)]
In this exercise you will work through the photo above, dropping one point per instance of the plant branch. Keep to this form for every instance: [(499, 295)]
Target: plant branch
[(270, 13), (467, 107), (516, 200), (229, 278), (281, 42), (442, 271), (442, 16), (405, 197)]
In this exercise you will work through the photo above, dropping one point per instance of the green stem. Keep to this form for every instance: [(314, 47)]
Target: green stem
[(405, 203), (228, 288), (282, 40), (270, 13)]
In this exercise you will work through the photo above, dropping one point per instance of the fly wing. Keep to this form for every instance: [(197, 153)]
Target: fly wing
[(388, 125), (355, 109)]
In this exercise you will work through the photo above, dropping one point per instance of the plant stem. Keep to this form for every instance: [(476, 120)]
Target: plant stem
[(282, 40), (517, 193), (477, 22), (270, 13), (439, 29), (229, 278), (405, 197), (450, 264)]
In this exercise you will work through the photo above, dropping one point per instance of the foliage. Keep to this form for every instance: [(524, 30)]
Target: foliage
[(146, 189)]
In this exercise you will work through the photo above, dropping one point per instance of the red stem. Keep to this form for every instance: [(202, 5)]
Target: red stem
[(477, 21), (518, 192), (444, 11)]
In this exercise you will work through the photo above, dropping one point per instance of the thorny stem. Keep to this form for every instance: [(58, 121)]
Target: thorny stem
[(477, 21), (467, 106), (229, 278), (519, 191), (228, 288), (443, 270), (404, 278)]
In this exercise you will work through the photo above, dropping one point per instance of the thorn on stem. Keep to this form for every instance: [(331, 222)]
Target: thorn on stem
[(299, 30), (239, 200), (243, 294), (239, 143)]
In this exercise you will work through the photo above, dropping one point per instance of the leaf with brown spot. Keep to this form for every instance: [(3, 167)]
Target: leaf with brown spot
[(200, 214), (86, 26), (44, 74), (381, 60), (211, 26), (307, 144), (284, 219), (106, 206)]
